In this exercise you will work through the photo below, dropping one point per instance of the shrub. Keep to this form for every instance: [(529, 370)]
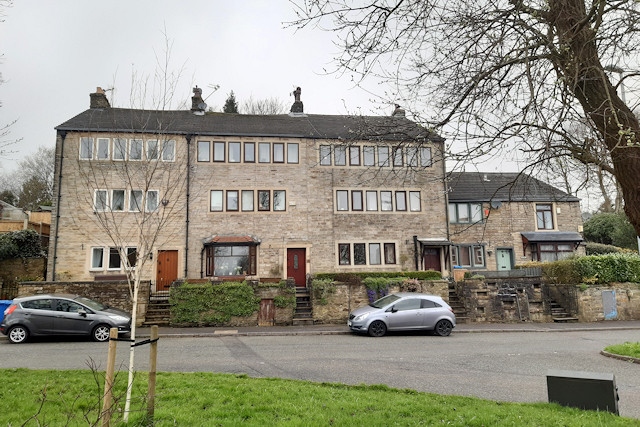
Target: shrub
[(321, 289), (593, 248), (212, 305), (601, 269), (20, 244)]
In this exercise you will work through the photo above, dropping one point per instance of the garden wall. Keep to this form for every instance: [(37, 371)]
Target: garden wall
[(591, 302), (347, 297), (15, 270), (115, 294)]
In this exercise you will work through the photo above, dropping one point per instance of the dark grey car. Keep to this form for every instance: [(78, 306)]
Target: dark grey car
[(61, 314)]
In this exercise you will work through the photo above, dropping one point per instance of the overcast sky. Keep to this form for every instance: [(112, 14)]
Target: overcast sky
[(54, 53)]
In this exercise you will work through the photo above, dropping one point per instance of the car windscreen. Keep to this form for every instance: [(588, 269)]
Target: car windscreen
[(94, 305), (389, 299)]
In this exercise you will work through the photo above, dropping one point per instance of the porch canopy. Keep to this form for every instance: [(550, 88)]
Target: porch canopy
[(552, 236), (434, 241)]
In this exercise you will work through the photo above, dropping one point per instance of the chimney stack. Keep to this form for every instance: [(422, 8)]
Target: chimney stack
[(99, 99), (398, 112), (297, 107), (198, 105)]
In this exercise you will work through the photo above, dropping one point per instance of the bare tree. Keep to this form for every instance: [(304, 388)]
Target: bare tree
[(497, 75), (5, 141), (263, 106)]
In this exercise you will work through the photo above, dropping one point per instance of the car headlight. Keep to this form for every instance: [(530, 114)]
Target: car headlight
[(118, 318), (361, 317)]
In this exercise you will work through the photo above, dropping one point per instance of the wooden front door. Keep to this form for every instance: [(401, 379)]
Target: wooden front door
[(167, 271), (431, 258), (297, 266)]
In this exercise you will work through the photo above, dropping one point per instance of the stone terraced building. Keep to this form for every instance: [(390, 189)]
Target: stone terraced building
[(198, 195)]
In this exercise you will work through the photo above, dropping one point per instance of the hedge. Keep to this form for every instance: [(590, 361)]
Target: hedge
[(595, 269), (212, 305)]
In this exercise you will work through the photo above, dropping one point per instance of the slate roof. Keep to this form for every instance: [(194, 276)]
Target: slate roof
[(314, 126), (502, 187)]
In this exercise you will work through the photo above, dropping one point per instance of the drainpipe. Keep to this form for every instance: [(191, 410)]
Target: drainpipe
[(62, 135), (186, 239), (416, 255), (447, 259)]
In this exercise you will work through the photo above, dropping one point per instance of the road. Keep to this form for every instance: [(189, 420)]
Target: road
[(498, 366)]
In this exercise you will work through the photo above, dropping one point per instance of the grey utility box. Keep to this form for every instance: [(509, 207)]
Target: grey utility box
[(584, 390)]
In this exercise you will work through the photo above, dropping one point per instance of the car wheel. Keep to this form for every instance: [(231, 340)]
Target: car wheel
[(18, 334), (443, 328), (101, 333), (377, 328)]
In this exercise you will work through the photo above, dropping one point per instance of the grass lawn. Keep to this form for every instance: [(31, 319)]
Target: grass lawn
[(73, 398), (631, 349)]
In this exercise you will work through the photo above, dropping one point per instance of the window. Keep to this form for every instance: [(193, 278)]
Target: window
[(204, 151), (132, 257), (374, 254), (39, 304), (383, 156), (292, 153), (152, 200), (369, 157), (218, 151), (468, 255), (425, 157), (389, 253), (465, 213), (359, 254), (354, 155), (216, 201), (397, 156), (100, 200), (232, 200), (264, 202), (249, 152), (356, 200), (372, 200), (97, 258), (408, 304), (247, 200), (86, 148), (325, 155), (169, 151), (279, 199), (230, 260), (135, 149), (412, 156), (278, 152), (340, 156), (135, 200), (342, 200), (344, 254), (234, 152), (117, 200), (414, 201), (386, 201), (114, 259), (401, 200), (551, 251), (153, 152), (264, 152), (119, 148), (544, 216), (103, 149)]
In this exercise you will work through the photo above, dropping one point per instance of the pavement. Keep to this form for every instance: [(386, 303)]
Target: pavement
[(342, 329)]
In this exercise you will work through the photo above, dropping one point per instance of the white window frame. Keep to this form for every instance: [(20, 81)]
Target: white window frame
[(136, 147), (135, 196), (113, 198), (153, 149), (120, 150), (152, 203), (169, 150), (104, 207), (103, 149), (97, 254), (86, 148)]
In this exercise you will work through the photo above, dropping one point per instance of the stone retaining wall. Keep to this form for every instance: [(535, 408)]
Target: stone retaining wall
[(115, 294)]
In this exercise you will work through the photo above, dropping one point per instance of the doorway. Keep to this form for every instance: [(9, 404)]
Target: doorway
[(297, 266), (167, 269), (431, 258), (504, 258)]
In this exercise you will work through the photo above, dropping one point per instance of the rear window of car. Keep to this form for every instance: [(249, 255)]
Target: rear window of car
[(38, 304), (427, 303)]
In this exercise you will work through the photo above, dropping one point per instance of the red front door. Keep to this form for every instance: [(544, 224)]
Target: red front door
[(431, 257), (297, 266), (167, 271)]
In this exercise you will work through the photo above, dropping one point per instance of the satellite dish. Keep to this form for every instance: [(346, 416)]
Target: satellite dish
[(202, 106)]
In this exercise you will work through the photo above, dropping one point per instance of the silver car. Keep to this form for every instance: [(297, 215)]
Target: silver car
[(61, 314), (403, 311)]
